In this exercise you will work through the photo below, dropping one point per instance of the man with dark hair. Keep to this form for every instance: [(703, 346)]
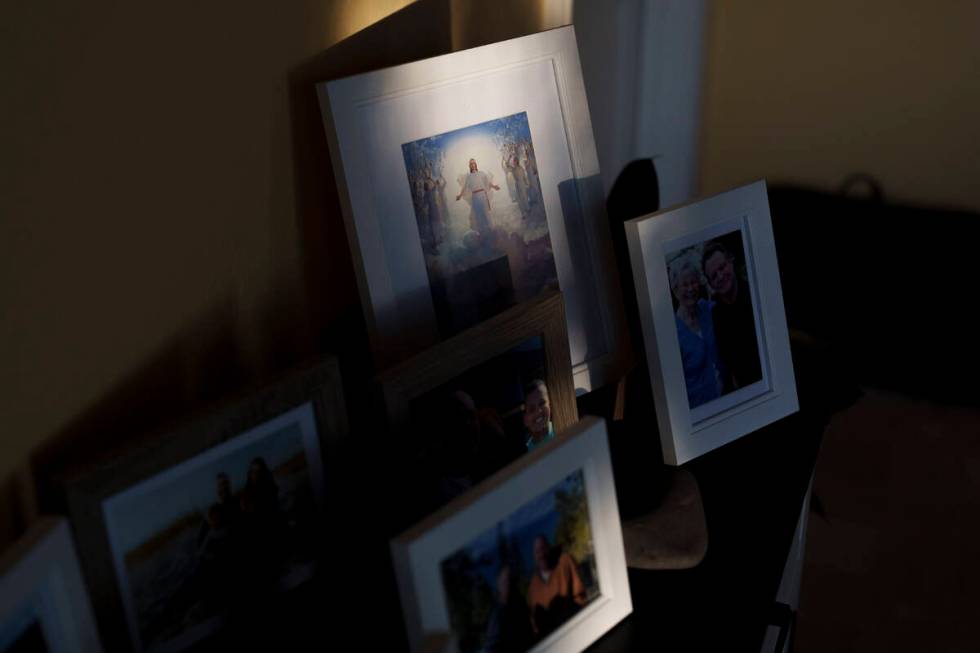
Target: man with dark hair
[(733, 317)]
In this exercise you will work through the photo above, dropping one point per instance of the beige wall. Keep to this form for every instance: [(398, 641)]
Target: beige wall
[(169, 229), (168, 221), (148, 215), (811, 91)]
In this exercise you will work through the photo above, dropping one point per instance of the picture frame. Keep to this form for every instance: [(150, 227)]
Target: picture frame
[(721, 366), (164, 529), (421, 282), (542, 317), (488, 529), (480, 384), (43, 599)]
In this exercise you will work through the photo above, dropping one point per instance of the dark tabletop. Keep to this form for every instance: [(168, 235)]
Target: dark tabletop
[(752, 489)]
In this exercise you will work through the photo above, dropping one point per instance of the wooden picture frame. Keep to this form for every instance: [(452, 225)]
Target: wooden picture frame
[(576, 464), (290, 424), (543, 316), (736, 374), (43, 600), (406, 274), (430, 382)]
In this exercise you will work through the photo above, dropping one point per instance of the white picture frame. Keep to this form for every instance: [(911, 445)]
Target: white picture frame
[(695, 414), (244, 485), (368, 119), (120, 509), (420, 554), (42, 594)]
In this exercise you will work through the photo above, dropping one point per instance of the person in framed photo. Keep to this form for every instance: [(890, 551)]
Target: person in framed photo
[(465, 443), (534, 183), (732, 315), (432, 213), (537, 414), (476, 187), (493, 250), (239, 552), (703, 368), (509, 625), (218, 547), (227, 504), (516, 174), (525, 576), (556, 591), (218, 580), (263, 524)]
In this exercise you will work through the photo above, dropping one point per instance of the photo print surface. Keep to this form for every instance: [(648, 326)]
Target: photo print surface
[(481, 219), (218, 532), (715, 317), (477, 423), (521, 580)]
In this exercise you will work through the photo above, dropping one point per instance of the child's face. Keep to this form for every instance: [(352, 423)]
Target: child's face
[(537, 411)]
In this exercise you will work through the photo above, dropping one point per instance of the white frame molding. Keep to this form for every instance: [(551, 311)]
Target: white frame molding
[(685, 433), (40, 574), (366, 114), (418, 553)]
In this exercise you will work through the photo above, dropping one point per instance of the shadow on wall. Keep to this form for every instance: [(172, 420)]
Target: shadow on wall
[(199, 364), (418, 31), (198, 371), (211, 358)]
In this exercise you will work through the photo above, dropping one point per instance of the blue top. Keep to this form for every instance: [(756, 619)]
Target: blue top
[(530, 444), (699, 354)]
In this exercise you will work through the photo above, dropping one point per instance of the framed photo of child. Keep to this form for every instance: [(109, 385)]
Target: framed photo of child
[(714, 327), (470, 405)]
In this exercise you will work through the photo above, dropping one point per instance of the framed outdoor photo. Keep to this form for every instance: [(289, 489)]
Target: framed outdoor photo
[(211, 519), (470, 405), (469, 183), (43, 602), (711, 308), (530, 559)]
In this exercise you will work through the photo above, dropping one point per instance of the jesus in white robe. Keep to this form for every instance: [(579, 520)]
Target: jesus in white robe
[(476, 189)]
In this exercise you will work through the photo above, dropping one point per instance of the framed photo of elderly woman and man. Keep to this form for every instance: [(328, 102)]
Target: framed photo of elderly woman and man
[(714, 327)]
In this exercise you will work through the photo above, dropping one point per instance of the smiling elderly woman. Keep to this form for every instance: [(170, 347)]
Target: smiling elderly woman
[(695, 331)]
